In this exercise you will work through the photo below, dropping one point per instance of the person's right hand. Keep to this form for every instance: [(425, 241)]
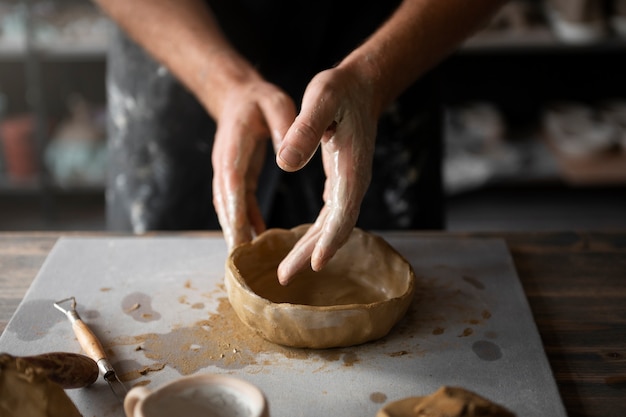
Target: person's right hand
[(340, 112), (249, 114)]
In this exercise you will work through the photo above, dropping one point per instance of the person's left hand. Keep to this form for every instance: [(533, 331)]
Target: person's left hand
[(337, 110)]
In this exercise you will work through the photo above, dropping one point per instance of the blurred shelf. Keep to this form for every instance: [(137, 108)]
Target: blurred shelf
[(515, 162), (601, 169), (10, 185), (61, 51), (69, 51), (536, 207), (12, 50), (34, 185), (67, 212), (540, 41), (532, 160)]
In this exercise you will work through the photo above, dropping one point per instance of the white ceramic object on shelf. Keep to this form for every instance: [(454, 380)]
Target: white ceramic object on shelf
[(618, 18), (613, 112), (577, 21), (575, 130)]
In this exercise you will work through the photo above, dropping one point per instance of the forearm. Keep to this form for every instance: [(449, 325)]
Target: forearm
[(415, 38), (185, 37)]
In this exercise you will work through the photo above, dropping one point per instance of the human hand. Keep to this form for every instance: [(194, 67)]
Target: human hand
[(249, 115), (337, 111)]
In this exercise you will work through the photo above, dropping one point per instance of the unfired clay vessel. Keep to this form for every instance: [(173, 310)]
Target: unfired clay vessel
[(358, 296), (198, 395), (445, 402), (26, 391)]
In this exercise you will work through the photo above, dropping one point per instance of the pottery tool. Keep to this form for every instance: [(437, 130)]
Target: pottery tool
[(92, 346), (69, 370)]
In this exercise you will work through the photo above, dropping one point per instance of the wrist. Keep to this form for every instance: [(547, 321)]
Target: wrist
[(222, 73), (364, 68)]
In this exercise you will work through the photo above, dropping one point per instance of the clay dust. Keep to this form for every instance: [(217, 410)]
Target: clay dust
[(223, 341)]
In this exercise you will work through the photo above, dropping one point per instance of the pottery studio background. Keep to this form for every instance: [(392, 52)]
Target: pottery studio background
[(534, 126)]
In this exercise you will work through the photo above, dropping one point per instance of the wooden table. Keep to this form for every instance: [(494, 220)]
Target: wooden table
[(575, 283)]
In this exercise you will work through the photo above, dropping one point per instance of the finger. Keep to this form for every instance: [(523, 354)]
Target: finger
[(235, 232), (254, 214), (300, 255), (304, 135), (280, 113), (335, 232), (230, 157)]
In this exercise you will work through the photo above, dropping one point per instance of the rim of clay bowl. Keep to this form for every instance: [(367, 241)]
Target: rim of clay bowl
[(299, 231)]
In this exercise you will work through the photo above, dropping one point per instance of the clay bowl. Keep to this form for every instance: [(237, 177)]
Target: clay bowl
[(358, 297)]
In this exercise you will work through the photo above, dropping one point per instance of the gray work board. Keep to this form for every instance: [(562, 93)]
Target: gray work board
[(470, 325)]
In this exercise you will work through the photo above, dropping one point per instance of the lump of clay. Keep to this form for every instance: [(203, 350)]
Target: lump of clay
[(69, 370), (358, 297), (26, 391), (445, 402)]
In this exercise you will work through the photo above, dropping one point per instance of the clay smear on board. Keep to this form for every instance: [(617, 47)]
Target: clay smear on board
[(439, 306), (223, 341), (138, 306)]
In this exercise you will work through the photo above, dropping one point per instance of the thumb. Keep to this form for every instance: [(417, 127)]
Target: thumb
[(304, 135), (298, 147)]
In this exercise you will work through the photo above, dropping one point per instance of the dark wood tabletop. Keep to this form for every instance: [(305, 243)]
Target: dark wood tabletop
[(575, 283)]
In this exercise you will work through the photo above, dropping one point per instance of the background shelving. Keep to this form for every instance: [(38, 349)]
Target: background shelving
[(51, 53), (517, 66), (522, 67)]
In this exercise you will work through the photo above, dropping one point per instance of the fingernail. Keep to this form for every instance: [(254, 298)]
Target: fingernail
[(317, 262), (283, 277), (291, 157)]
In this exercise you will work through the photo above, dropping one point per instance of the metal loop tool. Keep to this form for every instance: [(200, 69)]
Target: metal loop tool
[(92, 346)]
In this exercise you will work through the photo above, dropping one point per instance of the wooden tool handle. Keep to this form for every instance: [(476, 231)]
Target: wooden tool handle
[(88, 341)]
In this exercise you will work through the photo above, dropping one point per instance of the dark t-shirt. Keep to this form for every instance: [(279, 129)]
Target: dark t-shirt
[(290, 41), (160, 137)]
